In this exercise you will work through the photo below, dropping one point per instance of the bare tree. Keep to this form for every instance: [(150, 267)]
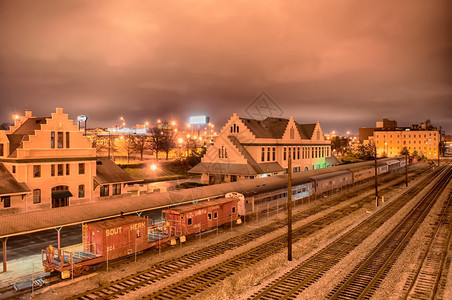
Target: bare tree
[(141, 143), (162, 140), (4, 126)]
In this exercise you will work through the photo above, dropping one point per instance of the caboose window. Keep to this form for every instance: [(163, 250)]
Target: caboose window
[(209, 216), (215, 215), (233, 209), (189, 221)]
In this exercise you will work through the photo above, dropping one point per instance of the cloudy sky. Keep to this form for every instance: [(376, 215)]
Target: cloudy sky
[(345, 63)]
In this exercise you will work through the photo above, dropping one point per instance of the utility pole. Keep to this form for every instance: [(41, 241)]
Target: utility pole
[(376, 179), (406, 168), (439, 143), (289, 210)]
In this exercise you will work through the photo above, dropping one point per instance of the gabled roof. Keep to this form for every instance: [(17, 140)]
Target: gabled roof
[(23, 133), (306, 130), (9, 185), (275, 127), (108, 172), (268, 128), (223, 168)]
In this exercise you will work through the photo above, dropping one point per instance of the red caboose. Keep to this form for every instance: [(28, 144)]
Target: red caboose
[(117, 237), (102, 241), (202, 216)]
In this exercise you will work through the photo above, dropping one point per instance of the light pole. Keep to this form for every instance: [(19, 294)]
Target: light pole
[(289, 210)]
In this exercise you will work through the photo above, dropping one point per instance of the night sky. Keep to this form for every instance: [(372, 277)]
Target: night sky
[(345, 63)]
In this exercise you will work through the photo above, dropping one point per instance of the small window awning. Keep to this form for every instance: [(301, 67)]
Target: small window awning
[(61, 194)]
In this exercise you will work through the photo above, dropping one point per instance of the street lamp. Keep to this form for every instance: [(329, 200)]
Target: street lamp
[(153, 168)]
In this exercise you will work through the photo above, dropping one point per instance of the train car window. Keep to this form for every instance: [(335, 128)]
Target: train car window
[(209, 216), (215, 215), (189, 221), (233, 209)]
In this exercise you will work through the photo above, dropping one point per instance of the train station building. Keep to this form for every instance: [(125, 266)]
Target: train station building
[(47, 162), (249, 148)]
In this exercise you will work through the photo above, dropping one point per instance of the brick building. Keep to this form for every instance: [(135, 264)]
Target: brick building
[(48, 163), (249, 148)]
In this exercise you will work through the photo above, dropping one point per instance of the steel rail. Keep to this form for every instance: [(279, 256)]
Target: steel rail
[(195, 283), (309, 271)]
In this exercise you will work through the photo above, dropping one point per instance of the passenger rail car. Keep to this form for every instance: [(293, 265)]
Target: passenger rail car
[(274, 192), (331, 181), (393, 165), (362, 173), (114, 238)]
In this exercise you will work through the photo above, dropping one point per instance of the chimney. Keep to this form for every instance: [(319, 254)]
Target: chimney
[(59, 110), (28, 114)]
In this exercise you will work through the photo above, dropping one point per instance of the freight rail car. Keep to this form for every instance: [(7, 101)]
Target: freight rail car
[(115, 238)]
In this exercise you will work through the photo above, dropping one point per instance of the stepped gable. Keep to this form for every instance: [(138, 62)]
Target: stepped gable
[(23, 133)]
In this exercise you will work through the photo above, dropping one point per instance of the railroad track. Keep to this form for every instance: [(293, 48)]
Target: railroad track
[(166, 269), (308, 272), (200, 281), (425, 282), (161, 270), (363, 281)]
